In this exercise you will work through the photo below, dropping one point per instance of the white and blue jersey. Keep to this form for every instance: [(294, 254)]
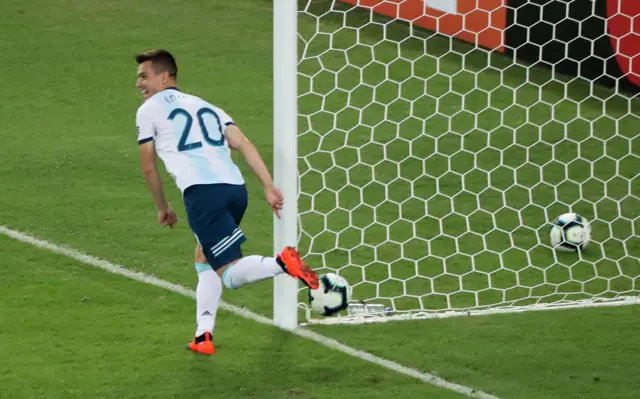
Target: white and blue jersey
[(189, 138)]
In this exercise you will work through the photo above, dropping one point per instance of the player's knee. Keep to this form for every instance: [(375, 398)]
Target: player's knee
[(199, 255)]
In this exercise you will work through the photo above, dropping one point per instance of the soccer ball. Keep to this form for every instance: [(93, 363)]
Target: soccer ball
[(332, 296), (570, 232)]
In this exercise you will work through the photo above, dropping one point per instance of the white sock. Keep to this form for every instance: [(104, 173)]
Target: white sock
[(208, 296), (249, 270)]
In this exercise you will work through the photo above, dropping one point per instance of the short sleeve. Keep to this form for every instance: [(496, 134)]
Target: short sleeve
[(225, 119), (144, 124)]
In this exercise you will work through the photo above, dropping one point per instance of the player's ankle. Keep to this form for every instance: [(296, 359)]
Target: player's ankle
[(202, 337)]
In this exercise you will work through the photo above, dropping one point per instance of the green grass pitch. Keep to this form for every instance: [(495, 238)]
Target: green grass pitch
[(70, 175)]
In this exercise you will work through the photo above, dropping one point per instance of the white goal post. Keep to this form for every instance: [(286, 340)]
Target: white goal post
[(424, 146), (285, 151)]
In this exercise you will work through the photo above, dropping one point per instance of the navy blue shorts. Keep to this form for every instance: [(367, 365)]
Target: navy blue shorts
[(214, 212)]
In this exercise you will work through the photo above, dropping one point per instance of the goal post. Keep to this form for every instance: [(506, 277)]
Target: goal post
[(285, 152), (424, 147)]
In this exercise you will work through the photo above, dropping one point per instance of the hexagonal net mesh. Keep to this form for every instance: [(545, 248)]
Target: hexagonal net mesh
[(430, 169)]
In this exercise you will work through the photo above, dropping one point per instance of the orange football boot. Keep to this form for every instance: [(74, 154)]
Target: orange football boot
[(290, 261), (202, 344)]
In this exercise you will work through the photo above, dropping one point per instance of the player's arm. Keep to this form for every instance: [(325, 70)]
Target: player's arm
[(147, 149), (149, 168), (239, 142)]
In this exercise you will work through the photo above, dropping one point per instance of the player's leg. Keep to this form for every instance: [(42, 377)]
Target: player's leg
[(203, 209), (254, 268), (208, 294)]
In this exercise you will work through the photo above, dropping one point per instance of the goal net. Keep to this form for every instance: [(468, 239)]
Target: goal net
[(438, 139)]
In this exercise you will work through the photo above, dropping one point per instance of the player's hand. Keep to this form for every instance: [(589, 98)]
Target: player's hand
[(167, 217), (274, 198)]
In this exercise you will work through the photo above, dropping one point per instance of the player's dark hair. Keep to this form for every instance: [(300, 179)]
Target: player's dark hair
[(161, 61)]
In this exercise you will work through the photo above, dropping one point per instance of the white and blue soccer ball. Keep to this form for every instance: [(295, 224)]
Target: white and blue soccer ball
[(570, 232), (332, 296)]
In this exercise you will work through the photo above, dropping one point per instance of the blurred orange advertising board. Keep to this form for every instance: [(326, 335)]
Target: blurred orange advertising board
[(476, 21)]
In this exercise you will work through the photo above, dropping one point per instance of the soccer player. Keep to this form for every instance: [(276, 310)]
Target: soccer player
[(194, 139)]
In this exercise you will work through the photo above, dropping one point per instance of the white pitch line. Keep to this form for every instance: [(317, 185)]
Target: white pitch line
[(179, 289)]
